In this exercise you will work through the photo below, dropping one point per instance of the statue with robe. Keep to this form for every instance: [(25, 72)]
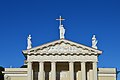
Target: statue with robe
[(29, 42), (94, 42), (62, 32)]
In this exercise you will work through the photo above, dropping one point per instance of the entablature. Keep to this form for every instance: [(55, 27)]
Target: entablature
[(62, 58)]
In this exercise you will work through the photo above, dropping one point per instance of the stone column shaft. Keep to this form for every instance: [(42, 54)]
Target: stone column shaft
[(95, 77), (53, 70), (83, 70), (71, 68), (41, 71), (29, 71)]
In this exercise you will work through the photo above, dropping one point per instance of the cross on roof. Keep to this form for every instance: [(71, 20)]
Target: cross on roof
[(60, 19)]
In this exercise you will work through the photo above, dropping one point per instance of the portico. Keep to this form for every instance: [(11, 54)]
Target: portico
[(53, 70), (78, 60)]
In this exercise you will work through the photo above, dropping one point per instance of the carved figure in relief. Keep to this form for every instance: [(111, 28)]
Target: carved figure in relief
[(7, 77), (62, 32), (62, 48), (94, 42), (29, 42)]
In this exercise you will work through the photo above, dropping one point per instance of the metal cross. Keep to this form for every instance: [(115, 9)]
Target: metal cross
[(60, 19)]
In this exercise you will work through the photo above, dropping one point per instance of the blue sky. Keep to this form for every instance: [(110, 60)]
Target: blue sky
[(18, 18)]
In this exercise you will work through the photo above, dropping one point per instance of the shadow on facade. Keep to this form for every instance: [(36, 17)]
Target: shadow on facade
[(1, 75)]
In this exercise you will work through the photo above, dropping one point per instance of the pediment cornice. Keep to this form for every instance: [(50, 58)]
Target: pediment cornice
[(62, 46)]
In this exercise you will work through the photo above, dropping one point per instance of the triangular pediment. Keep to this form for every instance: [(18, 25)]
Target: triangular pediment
[(62, 46)]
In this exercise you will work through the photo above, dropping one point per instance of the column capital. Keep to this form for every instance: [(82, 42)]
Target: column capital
[(71, 61), (53, 61), (83, 61), (94, 61), (29, 61), (40, 61)]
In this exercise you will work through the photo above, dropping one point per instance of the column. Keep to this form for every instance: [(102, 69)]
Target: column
[(71, 68), (53, 70), (95, 71), (83, 70), (41, 71), (29, 64), (91, 74)]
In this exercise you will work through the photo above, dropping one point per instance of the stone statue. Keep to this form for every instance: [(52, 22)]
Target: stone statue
[(29, 42), (94, 42), (62, 32)]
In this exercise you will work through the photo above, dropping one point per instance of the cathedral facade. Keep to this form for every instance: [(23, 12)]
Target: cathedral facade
[(61, 60)]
